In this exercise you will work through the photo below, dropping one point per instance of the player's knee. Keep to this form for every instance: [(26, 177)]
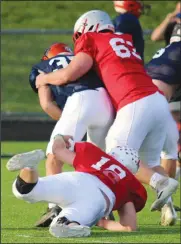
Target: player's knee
[(21, 189), (24, 187)]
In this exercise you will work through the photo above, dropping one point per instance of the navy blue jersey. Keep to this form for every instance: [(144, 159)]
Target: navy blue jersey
[(129, 24), (60, 93), (166, 65)]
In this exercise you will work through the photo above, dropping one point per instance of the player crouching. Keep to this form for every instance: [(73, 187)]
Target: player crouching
[(101, 183)]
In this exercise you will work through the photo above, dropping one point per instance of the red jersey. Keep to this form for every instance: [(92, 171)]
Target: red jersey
[(118, 65), (126, 188)]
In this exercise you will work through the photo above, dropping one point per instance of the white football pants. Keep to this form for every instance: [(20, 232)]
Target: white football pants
[(142, 125), (88, 111), (78, 194), (170, 148)]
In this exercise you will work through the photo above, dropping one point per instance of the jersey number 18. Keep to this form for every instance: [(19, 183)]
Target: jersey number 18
[(113, 172)]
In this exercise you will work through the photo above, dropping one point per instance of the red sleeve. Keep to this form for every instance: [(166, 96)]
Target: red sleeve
[(86, 44)]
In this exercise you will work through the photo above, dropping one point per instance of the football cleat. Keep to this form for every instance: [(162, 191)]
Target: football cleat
[(23, 160), (48, 216), (61, 227), (168, 215), (111, 216), (167, 187)]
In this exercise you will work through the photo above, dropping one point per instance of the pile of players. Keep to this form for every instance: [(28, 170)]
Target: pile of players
[(103, 90)]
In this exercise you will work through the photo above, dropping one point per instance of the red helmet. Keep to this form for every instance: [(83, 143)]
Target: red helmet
[(135, 7), (55, 49)]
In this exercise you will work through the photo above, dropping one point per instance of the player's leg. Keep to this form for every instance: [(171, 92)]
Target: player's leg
[(53, 166), (70, 123), (169, 153), (132, 125), (168, 214), (151, 147), (101, 117), (100, 121), (67, 189), (90, 206)]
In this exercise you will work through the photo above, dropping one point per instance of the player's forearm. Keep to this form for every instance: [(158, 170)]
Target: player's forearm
[(158, 33), (60, 149), (53, 111), (64, 155), (113, 226), (59, 77), (79, 66)]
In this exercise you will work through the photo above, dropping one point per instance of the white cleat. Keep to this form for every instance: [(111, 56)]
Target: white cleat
[(167, 188), (23, 160), (168, 215), (63, 230)]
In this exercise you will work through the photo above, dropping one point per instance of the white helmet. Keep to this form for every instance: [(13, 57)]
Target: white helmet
[(127, 157), (93, 21)]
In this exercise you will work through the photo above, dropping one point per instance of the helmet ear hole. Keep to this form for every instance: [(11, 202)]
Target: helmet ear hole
[(91, 28), (76, 36)]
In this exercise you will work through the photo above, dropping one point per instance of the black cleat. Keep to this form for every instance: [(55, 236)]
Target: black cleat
[(47, 217), (111, 216)]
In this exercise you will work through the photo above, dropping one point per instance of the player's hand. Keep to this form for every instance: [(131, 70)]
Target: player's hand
[(41, 80), (60, 142)]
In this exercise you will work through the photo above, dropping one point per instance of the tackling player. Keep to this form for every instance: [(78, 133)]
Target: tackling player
[(165, 71), (141, 109), (80, 107), (100, 183)]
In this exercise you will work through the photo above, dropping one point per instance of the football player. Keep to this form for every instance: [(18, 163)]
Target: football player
[(101, 183), (141, 108), (80, 107), (128, 21), (164, 69)]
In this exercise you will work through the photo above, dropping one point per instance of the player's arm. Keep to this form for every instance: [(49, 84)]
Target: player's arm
[(61, 149), (127, 216), (47, 102), (79, 66), (158, 33)]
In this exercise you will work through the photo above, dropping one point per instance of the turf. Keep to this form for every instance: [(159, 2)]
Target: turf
[(18, 217), (20, 52)]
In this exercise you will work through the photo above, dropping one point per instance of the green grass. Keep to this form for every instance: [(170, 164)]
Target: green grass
[(18, 217), (20, 52)]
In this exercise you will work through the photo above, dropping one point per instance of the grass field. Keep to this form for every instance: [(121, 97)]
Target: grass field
[(18, 217), (20, 52)]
